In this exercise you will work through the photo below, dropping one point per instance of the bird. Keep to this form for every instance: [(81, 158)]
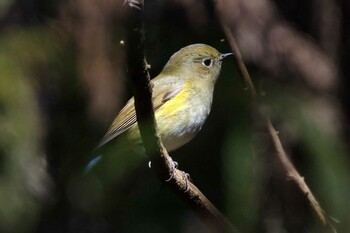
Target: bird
[(182, 97)]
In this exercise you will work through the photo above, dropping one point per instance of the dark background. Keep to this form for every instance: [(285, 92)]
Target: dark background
[(63, 79)]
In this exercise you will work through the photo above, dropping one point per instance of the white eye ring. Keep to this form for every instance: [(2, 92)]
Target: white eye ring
[(207, 62)]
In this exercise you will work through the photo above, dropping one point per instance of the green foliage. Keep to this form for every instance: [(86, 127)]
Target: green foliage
[(23, 177)]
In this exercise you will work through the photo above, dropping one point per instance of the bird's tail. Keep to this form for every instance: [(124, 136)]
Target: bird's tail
[(92, 164)]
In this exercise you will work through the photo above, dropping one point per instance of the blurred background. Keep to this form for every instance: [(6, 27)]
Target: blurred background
[(63, 79)]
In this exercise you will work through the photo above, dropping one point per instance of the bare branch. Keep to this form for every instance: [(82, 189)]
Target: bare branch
[(287, 165), (292, 173)]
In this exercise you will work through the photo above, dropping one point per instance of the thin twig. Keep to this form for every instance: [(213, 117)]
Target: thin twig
[(287, 165), (292, 173), (161, 161)]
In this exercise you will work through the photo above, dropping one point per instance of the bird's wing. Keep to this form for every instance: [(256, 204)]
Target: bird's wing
[(127, 116)]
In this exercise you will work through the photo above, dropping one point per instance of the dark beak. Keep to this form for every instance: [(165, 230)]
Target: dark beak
[(224, 55)]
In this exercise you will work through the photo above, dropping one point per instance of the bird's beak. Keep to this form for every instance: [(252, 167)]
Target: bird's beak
[(224, 55)]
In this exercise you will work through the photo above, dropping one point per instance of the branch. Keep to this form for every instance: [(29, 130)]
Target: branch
[(161, 161), (288, 167)]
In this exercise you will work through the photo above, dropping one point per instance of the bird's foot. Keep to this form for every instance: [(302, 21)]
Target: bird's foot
[(187, 178), (174, 166)]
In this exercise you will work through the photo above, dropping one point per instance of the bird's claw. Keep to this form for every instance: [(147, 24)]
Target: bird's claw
[(133, 4), (184, 174), (174, 166), (187, 180)]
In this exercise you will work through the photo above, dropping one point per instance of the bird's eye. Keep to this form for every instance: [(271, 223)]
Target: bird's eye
[(207, 62)]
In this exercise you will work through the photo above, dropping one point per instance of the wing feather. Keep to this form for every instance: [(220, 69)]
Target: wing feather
[(127, 116)]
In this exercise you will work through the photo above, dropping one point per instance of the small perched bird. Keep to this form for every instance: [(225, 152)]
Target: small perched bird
[(182, 98)]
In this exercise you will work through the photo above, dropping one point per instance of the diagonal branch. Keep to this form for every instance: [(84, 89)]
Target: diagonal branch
[(161, 161), (288, 167)]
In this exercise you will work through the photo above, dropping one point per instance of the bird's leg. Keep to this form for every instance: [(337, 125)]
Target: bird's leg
[(185, 175), (174, 166), (187, 179)]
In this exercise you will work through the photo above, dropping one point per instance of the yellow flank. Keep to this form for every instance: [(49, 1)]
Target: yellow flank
[(171, 106), (166, 112)]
